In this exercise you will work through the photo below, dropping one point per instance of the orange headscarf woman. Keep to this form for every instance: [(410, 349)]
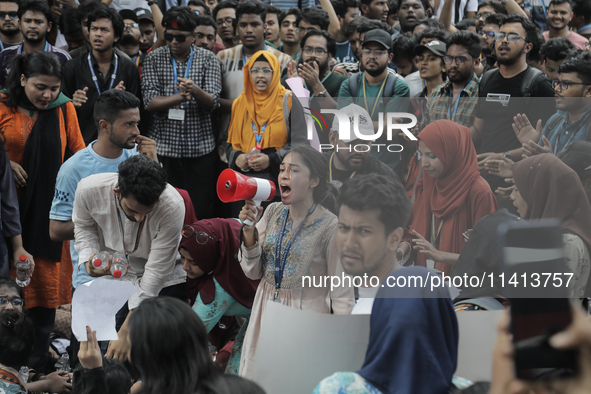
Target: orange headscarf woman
[(450, 197), (262, 114)]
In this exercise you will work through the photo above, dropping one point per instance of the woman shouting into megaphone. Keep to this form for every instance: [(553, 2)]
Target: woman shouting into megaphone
[(291, 246)]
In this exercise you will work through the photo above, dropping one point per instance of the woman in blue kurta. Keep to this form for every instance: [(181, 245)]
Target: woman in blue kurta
[(208, 251)]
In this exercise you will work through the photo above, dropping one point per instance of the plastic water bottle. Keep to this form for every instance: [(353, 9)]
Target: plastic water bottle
[(253, 152), (23, 271), (119, 266), (24, 371), (63, 363), (101, 260)]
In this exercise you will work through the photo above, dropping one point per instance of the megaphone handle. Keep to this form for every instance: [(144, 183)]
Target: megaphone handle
[(257, 203)]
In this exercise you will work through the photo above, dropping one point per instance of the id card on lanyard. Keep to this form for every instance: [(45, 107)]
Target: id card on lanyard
[(281, 260), (175, 113), (113, 76)]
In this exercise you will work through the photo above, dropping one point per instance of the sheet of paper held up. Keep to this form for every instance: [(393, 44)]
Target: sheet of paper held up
[(297, 349), (95, 304), (297, 87)]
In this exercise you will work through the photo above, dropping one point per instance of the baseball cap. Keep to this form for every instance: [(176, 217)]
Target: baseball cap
[(379, 36), (356, 114), (437, 47), (143, 13), (129, 14)]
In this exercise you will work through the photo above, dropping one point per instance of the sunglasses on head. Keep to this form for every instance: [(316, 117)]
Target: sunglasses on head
[(179, 37)]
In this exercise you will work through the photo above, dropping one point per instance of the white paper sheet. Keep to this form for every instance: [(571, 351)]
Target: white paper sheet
[(297, 87), (297, 349), (95, 304)]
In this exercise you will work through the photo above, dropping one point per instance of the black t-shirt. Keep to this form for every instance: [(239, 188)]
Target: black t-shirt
[(502, 99), (586, 35)]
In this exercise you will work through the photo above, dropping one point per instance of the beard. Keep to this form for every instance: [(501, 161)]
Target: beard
[(10, 33), (37, 40), (322, 67), (509, 60), (128, 40), (376, 72)]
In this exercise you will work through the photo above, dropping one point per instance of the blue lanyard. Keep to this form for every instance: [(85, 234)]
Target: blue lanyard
[(113, 76), (258, 137), (584, 28), (244, 57), (280, 261), (451, 116), (20, 48), (174, 72)]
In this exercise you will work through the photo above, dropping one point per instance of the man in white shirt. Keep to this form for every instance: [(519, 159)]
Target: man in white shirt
[(135, 212), (373, 211)]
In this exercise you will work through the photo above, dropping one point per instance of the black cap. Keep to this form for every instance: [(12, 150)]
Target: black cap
[(143, 13), (129, 14), (437, 47), (379, 36)]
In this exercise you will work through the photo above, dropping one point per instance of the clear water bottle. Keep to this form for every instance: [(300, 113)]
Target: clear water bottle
[(119, 266), (101, 260), (253, 152), (24, 371), (23, 271), (63, 363)]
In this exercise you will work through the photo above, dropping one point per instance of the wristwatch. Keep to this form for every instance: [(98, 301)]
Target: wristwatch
[(508, 155), (151, 3), (322, 94)]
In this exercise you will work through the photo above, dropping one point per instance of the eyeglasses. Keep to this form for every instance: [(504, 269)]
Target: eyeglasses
[(564, 85), (310, 50), (257, 71), (201, 237), (482, 16), (227, 21), (459, 60), (489, 34), (180, 38), (132, 25), (466, 234), (11, 14), (16, 302), (376, 53), (512, 38)]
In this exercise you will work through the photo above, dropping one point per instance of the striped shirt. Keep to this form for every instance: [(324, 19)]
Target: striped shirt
[(193, 136), (8, 53)]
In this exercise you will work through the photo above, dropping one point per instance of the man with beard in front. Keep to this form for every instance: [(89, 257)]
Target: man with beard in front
[(129, 42), (501, 95), (10, 34), (350, 157), (35, 22), (377, 91), (86, 77)]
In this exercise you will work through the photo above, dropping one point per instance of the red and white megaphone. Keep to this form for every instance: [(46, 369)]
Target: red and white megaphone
[(233, 186)]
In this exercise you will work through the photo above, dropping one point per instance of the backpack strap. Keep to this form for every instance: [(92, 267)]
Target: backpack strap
[(390, 84), (528, 81), (353, 81), (485, 79)]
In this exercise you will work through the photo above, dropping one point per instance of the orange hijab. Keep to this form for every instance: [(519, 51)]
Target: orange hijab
[(260, 108), (447, 197)]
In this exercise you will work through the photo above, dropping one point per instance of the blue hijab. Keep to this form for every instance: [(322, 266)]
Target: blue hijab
[(413, 340)]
